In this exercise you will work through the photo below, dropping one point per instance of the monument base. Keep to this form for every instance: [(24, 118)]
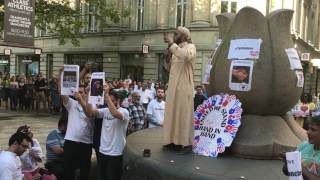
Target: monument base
[(167, 165), (265, 137)]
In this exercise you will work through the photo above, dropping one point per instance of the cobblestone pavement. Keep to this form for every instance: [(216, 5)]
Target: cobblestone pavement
[(41, 124)]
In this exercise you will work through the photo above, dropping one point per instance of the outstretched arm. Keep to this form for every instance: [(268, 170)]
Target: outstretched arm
[(88, 110)]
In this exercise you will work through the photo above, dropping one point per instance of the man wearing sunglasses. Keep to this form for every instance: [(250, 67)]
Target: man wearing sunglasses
[(10, 166), (78, 138)]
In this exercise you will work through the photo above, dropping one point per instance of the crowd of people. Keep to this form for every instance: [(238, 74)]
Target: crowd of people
[(129, 106), (19, 92)]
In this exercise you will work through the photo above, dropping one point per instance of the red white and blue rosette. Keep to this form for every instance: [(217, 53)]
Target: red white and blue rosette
[(216, 122)]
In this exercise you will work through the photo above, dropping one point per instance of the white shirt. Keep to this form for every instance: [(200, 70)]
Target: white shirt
[(80, 127), (113, 133), (146, 96), (27, 161), (156, 109), (10, 166)]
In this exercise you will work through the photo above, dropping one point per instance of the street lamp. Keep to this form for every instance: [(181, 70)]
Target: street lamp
[(316, 63)]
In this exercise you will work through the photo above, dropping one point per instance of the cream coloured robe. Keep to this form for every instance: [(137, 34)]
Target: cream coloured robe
[(178, 115)]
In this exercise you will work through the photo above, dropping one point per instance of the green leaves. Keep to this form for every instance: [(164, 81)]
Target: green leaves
[(68, 19)]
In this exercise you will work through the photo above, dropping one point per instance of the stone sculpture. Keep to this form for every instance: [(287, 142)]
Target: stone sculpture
[(266, 129)]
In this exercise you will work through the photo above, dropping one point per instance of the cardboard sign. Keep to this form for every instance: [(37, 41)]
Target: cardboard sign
[(240, 76), (96, 96), (70, 80), (216, 123), (244, 49), (294, 165)]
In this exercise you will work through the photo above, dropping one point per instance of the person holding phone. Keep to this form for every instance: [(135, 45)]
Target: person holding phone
[(310, 152)]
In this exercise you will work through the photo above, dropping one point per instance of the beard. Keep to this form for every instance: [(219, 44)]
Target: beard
[(178, 40)]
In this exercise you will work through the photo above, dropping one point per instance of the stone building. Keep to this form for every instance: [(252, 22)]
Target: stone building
[(117, 50)]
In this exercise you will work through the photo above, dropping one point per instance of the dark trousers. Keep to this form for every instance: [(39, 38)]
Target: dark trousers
[(13, 99), (56, 168), (110, 167), (77, 156)]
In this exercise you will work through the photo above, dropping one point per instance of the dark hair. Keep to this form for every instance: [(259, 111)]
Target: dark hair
[(23, 129), (63, 121), (82, 86), (115, 94), (315, 120), (198, 86), (18, 137), (161, 87)]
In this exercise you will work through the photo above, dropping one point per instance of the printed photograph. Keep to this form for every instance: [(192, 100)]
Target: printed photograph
[(69, 79), (96, 87), (240, 74)]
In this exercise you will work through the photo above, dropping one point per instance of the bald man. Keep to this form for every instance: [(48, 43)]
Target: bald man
[(178, 116)]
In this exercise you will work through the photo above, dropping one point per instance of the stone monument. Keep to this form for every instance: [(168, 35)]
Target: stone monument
[(266, 129)]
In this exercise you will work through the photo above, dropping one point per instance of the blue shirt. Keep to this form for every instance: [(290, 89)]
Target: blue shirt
[(55, 138)]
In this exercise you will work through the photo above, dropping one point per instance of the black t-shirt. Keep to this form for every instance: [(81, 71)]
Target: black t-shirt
[(198, 99), (39, 83)]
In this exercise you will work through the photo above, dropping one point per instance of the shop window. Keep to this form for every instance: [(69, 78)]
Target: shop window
[(96, 60)]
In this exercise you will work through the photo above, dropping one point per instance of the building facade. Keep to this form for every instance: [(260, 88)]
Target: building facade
[(118, 49)]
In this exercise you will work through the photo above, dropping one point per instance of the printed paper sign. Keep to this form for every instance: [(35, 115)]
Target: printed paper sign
[(206, 76), (96, 96), (240, 76), (216, 123), (294, 59), (300, 78), (70, 80), (294, 165), (244, 49)]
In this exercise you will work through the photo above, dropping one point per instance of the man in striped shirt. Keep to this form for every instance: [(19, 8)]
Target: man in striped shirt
[(54, 146)]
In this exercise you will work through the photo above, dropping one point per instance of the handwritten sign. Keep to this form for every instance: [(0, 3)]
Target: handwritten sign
[(294, 165), (216, 123)]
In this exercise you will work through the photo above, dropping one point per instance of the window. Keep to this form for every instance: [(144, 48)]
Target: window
[(229, 6), (140, 15), (81, 59), (181, 12), (92, 19), (224, 6), (233, 7)]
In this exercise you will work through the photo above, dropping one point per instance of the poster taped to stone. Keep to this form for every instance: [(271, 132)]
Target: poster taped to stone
[(240, 76), (96, 96), (70, 80), (244, 49), (300, 79), (294, 59), (294, 165)]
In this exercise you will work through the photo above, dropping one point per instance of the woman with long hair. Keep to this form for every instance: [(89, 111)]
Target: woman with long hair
[(14, 86), (6, 89)]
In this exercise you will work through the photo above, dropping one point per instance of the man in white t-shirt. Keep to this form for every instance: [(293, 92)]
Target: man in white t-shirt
[(79, 137), (155, 111), (146, 96), (10, 164), (113, 133)]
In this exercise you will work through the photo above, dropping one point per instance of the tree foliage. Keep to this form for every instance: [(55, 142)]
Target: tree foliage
[(65, 18)]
